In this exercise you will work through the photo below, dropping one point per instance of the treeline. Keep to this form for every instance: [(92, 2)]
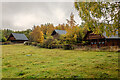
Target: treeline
[(39, 33), (75, 33), (4, 34), (41, 36)]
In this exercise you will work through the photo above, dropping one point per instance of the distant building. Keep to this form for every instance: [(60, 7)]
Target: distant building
[(56, 33), (97, 40), (17, 38)]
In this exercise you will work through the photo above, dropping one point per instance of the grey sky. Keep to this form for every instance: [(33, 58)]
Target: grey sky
[(23, 15)]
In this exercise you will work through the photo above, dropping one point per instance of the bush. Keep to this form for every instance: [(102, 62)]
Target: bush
[(105, 48), (60, 46), (41, 45), (52, 43), (34, 43), (4, 39), (49, 43), (6, 43), (68, 47), (49, 46)]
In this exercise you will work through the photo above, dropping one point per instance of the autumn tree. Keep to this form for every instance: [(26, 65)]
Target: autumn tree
[(47, 29), (37, 35), (6, 33), (50, 29), (71, 22), (74, 32), (99, 16), (61, 26)]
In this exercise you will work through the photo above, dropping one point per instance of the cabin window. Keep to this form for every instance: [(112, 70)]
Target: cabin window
[(95, 42), (99, 42), (91, 42), (102, 42)]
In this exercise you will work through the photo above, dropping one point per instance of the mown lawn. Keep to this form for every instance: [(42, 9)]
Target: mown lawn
[(20, 61)]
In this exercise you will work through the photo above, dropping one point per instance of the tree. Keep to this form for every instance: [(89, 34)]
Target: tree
[(47, 29), (37, 35), (99, 16), (4, 39), (41, 37), (50, 29), (75, 38), (6, 33), (71, 22), (74, 32)]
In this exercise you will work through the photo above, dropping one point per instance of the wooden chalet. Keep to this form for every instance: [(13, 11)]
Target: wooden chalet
[(56, 33), (97, 40), (17, 38)]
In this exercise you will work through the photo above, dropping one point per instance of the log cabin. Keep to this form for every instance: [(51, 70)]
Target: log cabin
[(17, 38), (56, 33), (98, 40)]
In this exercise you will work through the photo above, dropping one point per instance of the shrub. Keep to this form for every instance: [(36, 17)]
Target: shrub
[(109, 48), (34, 43), (4, 39), (41, 45), (49, 46), (113, 48), (52, 43), (83, 42), (68, 47), (49, 43), (60, 46), (6, 43), (104, 48), (52, 46), (86, 48)]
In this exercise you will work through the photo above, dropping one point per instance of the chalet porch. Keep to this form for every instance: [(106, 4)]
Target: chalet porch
[(97, 40), (97, 43)]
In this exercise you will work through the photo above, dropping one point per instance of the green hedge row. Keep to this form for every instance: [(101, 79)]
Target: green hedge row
[(50, 46)]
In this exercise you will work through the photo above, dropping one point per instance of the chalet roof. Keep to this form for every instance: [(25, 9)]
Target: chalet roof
[(98, 36), (60, 31), (18, 36), (113, 36)]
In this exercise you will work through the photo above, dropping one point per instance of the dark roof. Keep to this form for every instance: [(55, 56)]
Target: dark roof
[(104, 34), (18, 36), (60, 31), (112, 36)]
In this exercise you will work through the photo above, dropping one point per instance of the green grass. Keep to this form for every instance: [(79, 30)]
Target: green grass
[(20, 61)]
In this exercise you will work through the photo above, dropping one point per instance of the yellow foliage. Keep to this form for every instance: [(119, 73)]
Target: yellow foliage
[(75, 37), (37, 35)]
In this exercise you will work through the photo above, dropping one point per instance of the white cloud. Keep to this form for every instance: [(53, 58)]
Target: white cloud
[(24, 19), (21, 16), (59, 14)]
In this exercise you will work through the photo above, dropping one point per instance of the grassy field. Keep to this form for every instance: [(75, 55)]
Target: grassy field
[(20, 61)]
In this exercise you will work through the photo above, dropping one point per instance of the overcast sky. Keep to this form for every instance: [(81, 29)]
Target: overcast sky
[(23, 15)]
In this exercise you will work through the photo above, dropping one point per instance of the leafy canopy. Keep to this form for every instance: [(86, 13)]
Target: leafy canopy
[(37, 35), (99, 16)]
